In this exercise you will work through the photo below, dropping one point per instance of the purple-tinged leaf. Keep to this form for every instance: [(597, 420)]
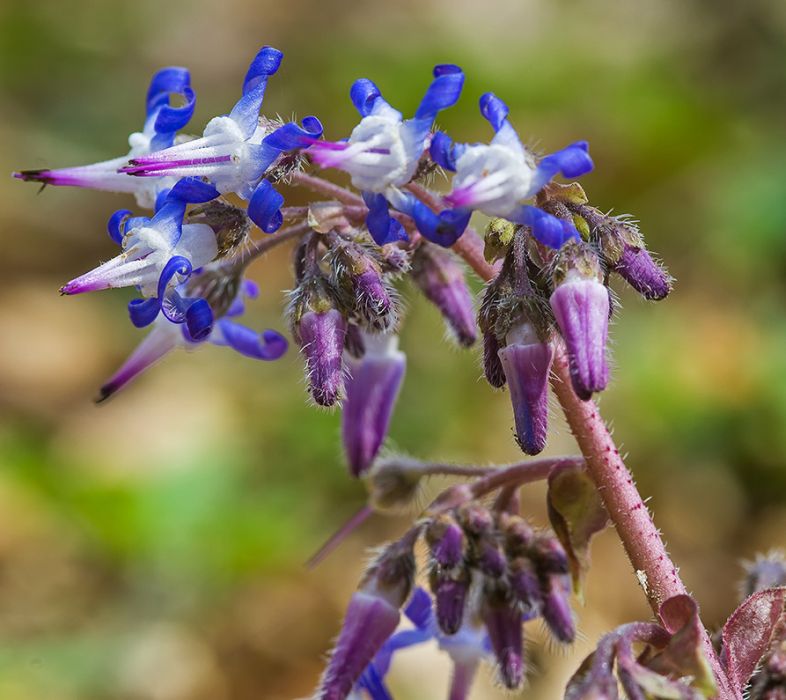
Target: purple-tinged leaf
[(747, 634)]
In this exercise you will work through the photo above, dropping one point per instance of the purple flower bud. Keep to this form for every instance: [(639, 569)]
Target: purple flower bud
[(492, 365), (581, 307), (440, 277), (475, 519), (369, 621), (372, 388), (549, 555), (526, 362), (503, 624), (373, 305), (446, 541), (641, 272), (525, 586), (450, 594), (518, 534), (321, 336), (489, 557), (556, 609)]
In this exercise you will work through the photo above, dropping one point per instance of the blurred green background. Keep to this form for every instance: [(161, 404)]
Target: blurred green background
[(154, 548)]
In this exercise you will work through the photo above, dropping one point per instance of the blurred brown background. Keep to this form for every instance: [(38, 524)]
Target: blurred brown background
[(153, 548)]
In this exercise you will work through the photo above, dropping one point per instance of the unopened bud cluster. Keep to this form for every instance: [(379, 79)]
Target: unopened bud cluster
[(544, 296)]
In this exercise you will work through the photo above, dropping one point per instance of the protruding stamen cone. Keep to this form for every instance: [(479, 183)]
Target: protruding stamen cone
[(641, 272), (372, 389), (369, 621), (526, 367), (581, 307), (322, 341)]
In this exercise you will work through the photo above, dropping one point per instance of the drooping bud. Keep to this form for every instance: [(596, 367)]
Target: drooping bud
[(440, 277), (549, 555), (526, 362), (488, 557), (503, 624), (517, 534), (372, 616), (580, 303), (625, 252), (525, 586), (394, 482), (492, 365), (321, 338), (556, 608), (450, 589), (475, 519), (372, 388), (446, 541), (369, 621), (358, 277)]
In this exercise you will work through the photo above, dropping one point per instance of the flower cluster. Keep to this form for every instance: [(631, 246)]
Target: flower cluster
[(489, 572), (548, 259)]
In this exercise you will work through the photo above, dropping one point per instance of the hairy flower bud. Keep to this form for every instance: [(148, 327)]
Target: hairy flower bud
[(475, 519), (322, 342), (446, 541), (517, 534), (230, 224), (526, 362), (580, 303), (525, 586), (369, 621), (362, 287), (450, 591), (549, 555), (556, 608), (440, 276), (503, 624), (372, 388)]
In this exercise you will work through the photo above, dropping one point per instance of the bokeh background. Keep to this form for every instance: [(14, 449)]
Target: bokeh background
[(153, 548)]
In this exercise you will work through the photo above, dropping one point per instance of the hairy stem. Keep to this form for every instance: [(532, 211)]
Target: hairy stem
[(642, 541)]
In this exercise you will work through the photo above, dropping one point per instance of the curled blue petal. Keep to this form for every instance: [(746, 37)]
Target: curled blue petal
[(264, 207), (546, 229), (116, 226), (572, 161), (444, 228), (236, 308), (161, 196), (170, 120), (419, 609), (444, 151), (268, 346), (199, 319), (165, 82), (176, 265), (443, 92), (143, 312), (292, 135), (363, 94), (246, 111), (382, 227), (374, 684), (494, 110), (193, 190), (265, 63)]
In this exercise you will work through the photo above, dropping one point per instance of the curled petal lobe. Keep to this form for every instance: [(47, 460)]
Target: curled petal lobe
[(143, 312), (292, 135), (443, 92), (265, 63), (383, 228), (199, 320), (546, 229), (364, 94), (494, 110), (264, 207), (116, 225), (270, 345), (246, 112), (164, 82), (444, 152), (572, 161)]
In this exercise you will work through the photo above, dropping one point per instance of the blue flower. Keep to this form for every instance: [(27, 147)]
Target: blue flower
[(497, 177), (383, 151), (236, 149), (162, 122), (165, 336), (466, 648)]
